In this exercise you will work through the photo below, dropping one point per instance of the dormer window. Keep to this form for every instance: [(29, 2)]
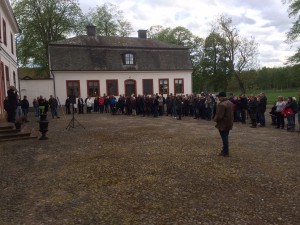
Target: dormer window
[(128, 59)]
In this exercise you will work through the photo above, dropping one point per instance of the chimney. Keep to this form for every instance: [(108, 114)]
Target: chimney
[(91, 30), (142, 34)]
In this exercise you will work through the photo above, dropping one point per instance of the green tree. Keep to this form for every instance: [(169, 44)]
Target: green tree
[(42, 22), (183, 37), (109, 21), (294, 32), (179, 36), (214, 67), (293, 10), (241, 53), (278, 78)]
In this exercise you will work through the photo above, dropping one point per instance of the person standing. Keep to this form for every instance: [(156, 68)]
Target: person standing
[(80, 104), (179, 106), (262, 109), (244, 106), (89, 105), (253, 109), (12, 97), (25, 107), (224, 120), (280, 104), (53, 106), (19, 111), (36, 107), (291, 110), (68, 106), (298, 109)]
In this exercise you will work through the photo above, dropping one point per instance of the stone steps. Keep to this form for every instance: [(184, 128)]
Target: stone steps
[(8, 132)]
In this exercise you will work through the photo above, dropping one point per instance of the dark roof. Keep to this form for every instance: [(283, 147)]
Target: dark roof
[(32, 73), (97, 53)]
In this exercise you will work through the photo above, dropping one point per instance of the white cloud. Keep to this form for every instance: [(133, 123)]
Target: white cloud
[(265, 20)]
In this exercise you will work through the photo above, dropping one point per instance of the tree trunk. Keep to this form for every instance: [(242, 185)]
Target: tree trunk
[(240, 83)]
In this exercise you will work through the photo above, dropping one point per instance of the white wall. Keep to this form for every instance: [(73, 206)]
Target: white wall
[(7, 56), (45, 87), (34, 88), (61, 78)]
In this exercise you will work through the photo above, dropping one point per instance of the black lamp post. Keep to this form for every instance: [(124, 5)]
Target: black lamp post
[(43, 126)]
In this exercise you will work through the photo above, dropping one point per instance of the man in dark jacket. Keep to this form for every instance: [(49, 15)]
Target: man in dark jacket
[(253, 107), (224, 120), (298, 110), (244, 106), (25, 107), (53, 106), (12, 98), (80, 104), (262, 106)]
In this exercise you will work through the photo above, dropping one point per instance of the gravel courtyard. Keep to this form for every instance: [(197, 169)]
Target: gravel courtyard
[(123, 170)]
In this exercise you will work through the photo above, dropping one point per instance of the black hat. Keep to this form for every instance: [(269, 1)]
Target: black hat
[(221, 94)]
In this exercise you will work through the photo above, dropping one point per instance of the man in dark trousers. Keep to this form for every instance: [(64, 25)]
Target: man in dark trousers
[(262, 109), (12, 97), (224, 120), (53, 106), (25, 107)]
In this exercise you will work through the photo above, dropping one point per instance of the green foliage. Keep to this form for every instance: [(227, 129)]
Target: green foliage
[(294, 9), (227, 55), (241, 53), (109, 21), (214, 67), (294, 32), (273, 80), (272, 95), (278, 78), (249, 79), (42, 22), (179, 36)]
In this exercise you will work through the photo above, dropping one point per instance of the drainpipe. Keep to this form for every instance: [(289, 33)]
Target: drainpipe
[(51, 73), (18, 36)]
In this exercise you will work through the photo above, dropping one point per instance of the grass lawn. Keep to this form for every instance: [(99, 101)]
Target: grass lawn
[(273, 94)]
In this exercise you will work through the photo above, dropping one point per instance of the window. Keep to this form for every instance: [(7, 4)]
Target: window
[(130, 87), (4, 32), (128, 59), (178, 86), (147, 87), (15, 80), (12, 43), (163, 86), (2, 70), (2, 73), (93, 88), (73, 87), (112, 87), (7, 73)]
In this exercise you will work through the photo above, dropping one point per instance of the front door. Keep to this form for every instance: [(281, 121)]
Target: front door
[(130, 87)]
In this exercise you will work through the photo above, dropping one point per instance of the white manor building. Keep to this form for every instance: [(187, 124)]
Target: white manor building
[(8, 56), (91, 65)]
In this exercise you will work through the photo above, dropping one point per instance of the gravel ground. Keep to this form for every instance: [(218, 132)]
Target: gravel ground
[(145, 170)]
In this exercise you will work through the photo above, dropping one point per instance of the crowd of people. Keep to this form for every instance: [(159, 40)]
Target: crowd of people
[(199, 106), (17, 109)]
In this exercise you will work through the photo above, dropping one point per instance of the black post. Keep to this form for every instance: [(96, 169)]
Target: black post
[(43, 126)]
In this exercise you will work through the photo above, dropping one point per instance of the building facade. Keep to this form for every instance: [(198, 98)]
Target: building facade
[(91, 65), (8, 56)]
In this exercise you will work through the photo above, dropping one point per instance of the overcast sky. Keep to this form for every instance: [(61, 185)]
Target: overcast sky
[(265, 20)]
